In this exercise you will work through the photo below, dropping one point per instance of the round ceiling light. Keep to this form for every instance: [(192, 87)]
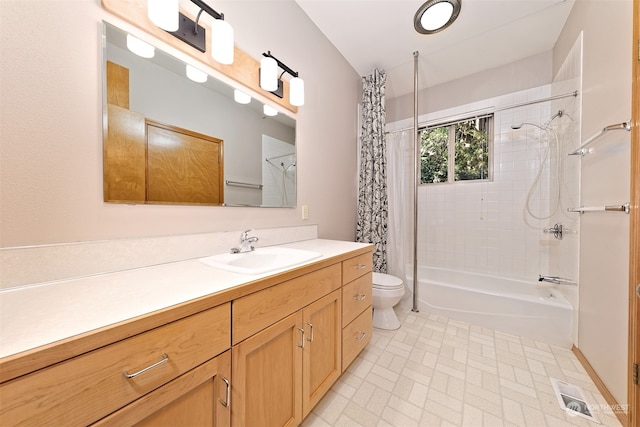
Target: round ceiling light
[(436, 15)]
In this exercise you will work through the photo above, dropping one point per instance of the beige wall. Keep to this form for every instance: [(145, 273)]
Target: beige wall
[(604, 237), (527, 73), (51, 128)]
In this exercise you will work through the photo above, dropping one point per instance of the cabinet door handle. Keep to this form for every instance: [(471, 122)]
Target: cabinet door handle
[(302, 331), (359, 297), (310, 327), (360, 336), (360, 266), (164, 360), (227, 396)]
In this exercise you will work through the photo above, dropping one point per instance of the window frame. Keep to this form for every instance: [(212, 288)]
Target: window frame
[(451, 148)]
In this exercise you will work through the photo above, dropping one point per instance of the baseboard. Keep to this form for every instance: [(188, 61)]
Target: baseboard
[(623, 417)]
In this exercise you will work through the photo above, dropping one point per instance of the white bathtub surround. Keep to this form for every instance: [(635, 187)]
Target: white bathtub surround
[(34, 264), (527, 309), (435, 371), (482, 226)]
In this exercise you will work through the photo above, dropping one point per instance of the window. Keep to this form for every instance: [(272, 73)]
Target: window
[(456, 151)]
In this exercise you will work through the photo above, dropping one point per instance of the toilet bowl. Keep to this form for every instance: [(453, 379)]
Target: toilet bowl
[(387, 292)]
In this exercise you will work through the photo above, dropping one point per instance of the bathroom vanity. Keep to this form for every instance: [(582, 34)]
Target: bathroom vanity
[(250, 350)]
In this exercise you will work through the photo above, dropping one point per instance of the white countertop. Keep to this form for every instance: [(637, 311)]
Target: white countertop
[(40, 314)]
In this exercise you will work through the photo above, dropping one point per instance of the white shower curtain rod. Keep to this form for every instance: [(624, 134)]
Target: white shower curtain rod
[(489, 110)]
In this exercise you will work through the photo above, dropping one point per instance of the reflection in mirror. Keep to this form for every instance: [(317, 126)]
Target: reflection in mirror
[(171, 140)]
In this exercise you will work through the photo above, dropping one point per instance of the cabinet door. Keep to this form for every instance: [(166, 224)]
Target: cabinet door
[(199, 397), (321, 361), (267, 370)]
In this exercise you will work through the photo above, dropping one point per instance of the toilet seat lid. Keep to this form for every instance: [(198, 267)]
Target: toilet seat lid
[(386, 281)]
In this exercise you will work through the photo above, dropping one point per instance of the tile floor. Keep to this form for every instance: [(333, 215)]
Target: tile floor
[(434, 371)]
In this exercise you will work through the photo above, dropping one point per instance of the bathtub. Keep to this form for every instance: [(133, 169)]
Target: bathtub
[(527, 309)]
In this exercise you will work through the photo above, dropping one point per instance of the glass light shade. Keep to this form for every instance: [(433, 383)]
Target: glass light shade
[(268, 74), (139, 47), (222, 41), (241, 97), (296, 91), (196, 75), (164, 13), (269, 111), (436, 16)]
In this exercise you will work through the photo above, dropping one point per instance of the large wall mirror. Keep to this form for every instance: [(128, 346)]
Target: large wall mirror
[(171, 140)]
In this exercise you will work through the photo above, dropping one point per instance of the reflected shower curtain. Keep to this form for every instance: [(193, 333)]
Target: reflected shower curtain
[(371, 225), (400, 164)]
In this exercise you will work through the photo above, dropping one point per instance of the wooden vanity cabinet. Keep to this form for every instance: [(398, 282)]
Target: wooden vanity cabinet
[(201, 397), (357, 311), (264, 358), (282, 371), (91, 386)]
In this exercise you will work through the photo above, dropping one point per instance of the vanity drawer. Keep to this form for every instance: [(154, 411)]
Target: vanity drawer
[(355, 336), (356, 267), (82, 390), (356, 297), (261, 309)]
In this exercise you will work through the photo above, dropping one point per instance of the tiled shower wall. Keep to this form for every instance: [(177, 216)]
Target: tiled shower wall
[(482, 226)]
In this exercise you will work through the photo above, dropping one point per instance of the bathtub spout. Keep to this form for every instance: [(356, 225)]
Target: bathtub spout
[(555, 280)]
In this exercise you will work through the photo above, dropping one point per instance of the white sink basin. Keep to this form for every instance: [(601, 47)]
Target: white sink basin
[(262, 260)]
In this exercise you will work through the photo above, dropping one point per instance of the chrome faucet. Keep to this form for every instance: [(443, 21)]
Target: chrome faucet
[(555, 280), (245, 243)]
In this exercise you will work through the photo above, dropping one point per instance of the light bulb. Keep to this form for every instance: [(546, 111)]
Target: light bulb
[(296, 91), (196, 75), (139, 47), (222, 41), (268, 74), (241, 97), (164, 13), (269, 111), (436, 16)]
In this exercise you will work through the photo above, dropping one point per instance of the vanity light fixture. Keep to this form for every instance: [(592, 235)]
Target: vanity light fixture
[(270, 81), (139, 47), (241, 97), (269, 111), (436, 15), (187, 30), (164, 13), (196, 75)]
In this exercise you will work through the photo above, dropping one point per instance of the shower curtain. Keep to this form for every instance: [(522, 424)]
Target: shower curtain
[(371, 225), (400, 163)]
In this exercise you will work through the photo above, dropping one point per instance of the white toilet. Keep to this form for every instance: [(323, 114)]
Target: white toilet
[(387, 292)]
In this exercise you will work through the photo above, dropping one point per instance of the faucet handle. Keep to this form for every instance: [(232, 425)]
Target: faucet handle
[(245, 234)]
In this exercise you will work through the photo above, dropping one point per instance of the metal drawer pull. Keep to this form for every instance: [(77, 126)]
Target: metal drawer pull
[(301, 345), (227, 397), (311, 327), (164, 360), (359, 297), (361, 336), (360, 266)]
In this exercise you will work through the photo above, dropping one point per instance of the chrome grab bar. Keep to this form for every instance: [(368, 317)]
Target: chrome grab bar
[(625, 207)]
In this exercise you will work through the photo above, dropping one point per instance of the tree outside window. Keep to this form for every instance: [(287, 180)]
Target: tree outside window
[(456, 151)]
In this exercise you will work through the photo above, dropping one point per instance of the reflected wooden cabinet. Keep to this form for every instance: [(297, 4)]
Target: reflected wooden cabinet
[(151, 162)]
